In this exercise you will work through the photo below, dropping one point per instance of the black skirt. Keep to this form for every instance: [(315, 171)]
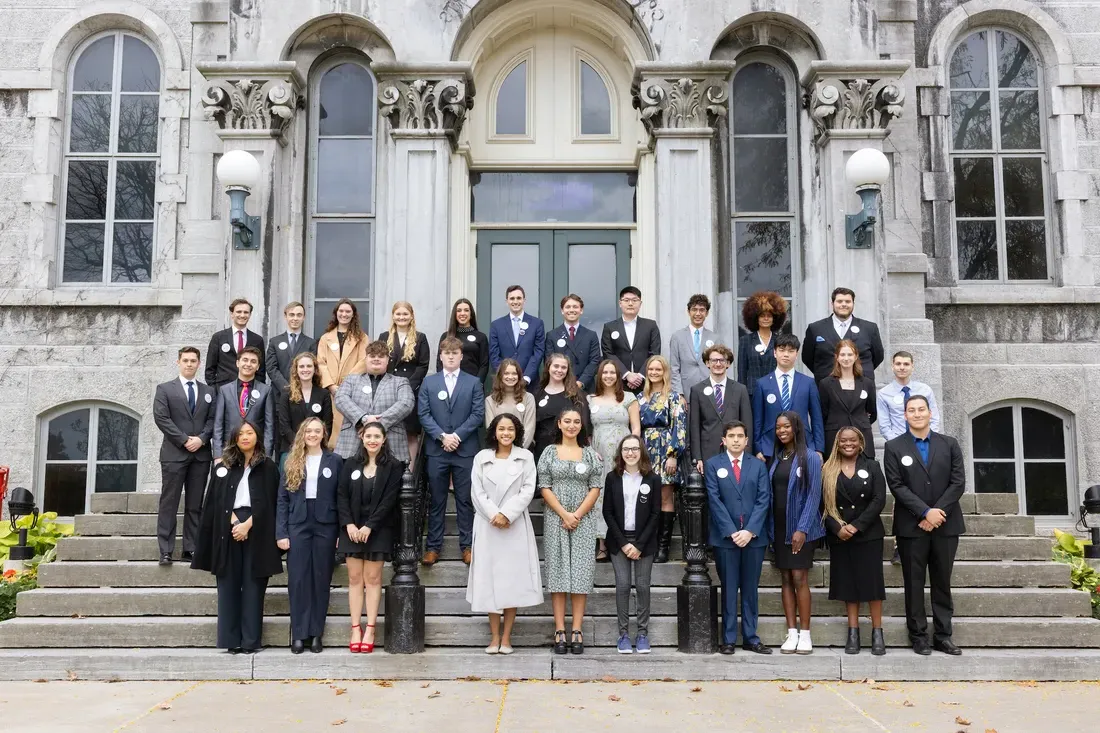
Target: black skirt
[(855, 571), (783, 558)]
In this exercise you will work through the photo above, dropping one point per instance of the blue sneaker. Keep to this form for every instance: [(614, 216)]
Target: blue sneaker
[(642, 642), (624, 645)]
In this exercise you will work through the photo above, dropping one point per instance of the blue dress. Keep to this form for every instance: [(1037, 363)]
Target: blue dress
[(664, 431)]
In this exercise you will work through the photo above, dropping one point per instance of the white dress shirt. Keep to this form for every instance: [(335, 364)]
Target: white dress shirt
[(243, 337), (194, 381), (313, 469), (841, 327), (632, 486), (629, 327), (451, 379), (779, 374), (243, 498), (739, 457), (891, 407)]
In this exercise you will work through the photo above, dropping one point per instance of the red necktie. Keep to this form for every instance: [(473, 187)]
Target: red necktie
[(737, 469), (244, 399), (240, 341), (572, 332)]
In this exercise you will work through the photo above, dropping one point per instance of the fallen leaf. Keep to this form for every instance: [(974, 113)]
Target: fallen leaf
[(961, 720), (383, 683), (907, 704), (341, 721), (426, 684), (71, 675), (884, 688), (608, 678), (341, 690), (696, 689), (804, 686), (635, 683), (784, 688), (41, 680), (990, 730), (868, 681), (613, 698), (668, 679), (78, 615), (165, 706), (435, 693), (472, 678)]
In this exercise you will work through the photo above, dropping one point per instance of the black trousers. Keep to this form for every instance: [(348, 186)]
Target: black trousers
[(931, 556), (309, 564), (187, 478), (240, 597)]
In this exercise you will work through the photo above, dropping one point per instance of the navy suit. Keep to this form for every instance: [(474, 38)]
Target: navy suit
[(736, 505), (462, 414), (767, 404), (528, 351), (583, 350), (310, 525)]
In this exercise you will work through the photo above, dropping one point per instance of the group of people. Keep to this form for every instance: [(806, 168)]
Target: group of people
[(604, 427)]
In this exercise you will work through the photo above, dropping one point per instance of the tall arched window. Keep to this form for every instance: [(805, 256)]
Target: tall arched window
[(341, 174), (511, 102), (999, 159), (110, 170)]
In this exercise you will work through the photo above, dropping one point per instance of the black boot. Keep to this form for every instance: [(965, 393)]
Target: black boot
[(664, 536), (852, 647), (878, 643)]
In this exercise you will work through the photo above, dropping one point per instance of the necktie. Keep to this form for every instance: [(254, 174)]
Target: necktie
[(240, 341), (695, 340), (718, 397), (515, 330), (244, 398), (785, 394), (905, 391), (450, 384), (572, 332), (293, 341), (191, 396), (737, 469)]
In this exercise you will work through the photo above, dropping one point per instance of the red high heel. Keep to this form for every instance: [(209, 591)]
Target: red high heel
[(365, 647), (356, 647)]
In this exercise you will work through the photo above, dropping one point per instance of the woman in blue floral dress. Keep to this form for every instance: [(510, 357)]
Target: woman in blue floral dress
[(664, 431)]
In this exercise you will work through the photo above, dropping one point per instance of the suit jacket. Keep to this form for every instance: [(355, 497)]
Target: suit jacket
[(280, 356), (821, 340), (334, 365), (290, 415), (392, 401), (803, 506), (475, 353), (918, 488), (528, 352), (380, 513), (261, 413), (705, 422), (842, 408), (583, 350), (215, 531), (416, 368), (861, 504), (688, 368), (172, 416), (753, 364), (647, 342), (291, 510), (736, 505), (461, 413), (766, 406), (647, 512), (221, 357)]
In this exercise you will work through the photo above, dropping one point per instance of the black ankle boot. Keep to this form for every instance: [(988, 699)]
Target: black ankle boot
[(878, 643), (852, 646), (664, 536)]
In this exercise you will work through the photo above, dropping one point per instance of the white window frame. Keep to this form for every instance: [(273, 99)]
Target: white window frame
[(527, 56), (580, 56), (112, 156)]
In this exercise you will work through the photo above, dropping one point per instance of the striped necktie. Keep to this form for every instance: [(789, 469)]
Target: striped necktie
[(785, 393)]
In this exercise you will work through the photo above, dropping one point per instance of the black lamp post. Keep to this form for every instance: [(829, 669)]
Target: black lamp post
[(21, 504), (404, 630), (1090, 506), (696, 597)]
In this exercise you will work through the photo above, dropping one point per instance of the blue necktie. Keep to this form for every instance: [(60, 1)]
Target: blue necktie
[(696, 341), (191, 396), (785, 395), (515, 331), (718, 397), (905, 391)]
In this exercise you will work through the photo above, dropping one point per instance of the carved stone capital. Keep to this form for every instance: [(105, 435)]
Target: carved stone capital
[(425, 98), (252, 97), (854, 99), (681, 96)]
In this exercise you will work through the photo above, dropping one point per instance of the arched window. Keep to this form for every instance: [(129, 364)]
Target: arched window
[(85, 449), (1023, 449), (342, 159), (110, 170), (595, 101), (999, 159), (511, 102)]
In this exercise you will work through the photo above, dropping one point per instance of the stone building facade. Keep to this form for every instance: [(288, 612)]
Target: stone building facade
[(432, 149)]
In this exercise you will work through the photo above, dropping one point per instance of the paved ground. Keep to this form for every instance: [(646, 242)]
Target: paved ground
[(489, 707)]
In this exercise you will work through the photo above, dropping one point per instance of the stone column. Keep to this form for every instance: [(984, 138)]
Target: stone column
[(680, 105), (426, 106)]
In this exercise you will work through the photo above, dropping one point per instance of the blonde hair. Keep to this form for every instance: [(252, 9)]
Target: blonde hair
[(830, 474), (409, 352), (666, 384), (296, 382), (295, 467)]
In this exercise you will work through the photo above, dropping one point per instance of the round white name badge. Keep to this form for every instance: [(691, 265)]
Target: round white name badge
[(471, 338), (561, 342), (709, 343), (209, 399), (523, 325), (708, 391), (257, 394), (225, 348), (760, 348), (356, 474), (316, 409), (582, 469), (614, 334), (326, 472), (544, 401), (367, 389), (899, 399), (644, 490), (862, 473), (771, 399), (222, 472), (907, 460), (722, 473), (441, 394), (863, 394), (334, 347), (855, 329), (798, 471), (521, 408), (282, 346)]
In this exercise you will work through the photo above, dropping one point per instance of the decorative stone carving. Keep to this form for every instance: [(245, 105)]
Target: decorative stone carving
[(862, 97), (252, 97), (435, 98), (681, 96)]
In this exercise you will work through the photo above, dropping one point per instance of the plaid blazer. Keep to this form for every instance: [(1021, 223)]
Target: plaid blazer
[(392, 400)]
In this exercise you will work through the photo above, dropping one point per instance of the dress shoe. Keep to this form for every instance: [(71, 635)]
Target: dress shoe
[(165, 560), (852, 645), (467, 556), (947, 647), (430, 558), (234, 650), (756, 646), (878, 643), (920, 646), (726, 649), (187, 556), (316, 646), (257, 650), (297, 646)]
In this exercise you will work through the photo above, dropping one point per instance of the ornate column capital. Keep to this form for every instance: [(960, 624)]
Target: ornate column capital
[(691, 96), (251, 99), (854, 99), (425, 99)]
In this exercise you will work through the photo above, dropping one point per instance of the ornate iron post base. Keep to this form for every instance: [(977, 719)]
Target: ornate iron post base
[(404, 610), (696, 597)]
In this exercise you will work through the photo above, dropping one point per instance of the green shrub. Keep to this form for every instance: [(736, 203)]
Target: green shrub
[(1082, 576), (42, 538)]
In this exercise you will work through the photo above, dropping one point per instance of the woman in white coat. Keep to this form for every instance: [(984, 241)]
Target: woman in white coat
[(504, 571)]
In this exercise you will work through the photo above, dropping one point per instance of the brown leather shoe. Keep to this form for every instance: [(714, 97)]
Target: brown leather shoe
[(430, 558), (467, 556)]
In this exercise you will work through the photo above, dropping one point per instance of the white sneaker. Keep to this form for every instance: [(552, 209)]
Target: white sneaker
[(805, 646), (791, 643)]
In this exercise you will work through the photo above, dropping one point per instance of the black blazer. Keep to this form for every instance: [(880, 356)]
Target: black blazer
[(417, 368), (647, 342), (221, 362), (290, 415), (841, 408), (475, 354), (381, 516), (292, 504), (706, 424), (647, 511), (917, 488), (861, 507), (215, 530), (280, 356), (172, 416), (584, 351), (821, 339)]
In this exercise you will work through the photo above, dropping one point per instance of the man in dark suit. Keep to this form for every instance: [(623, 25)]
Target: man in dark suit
[(925, 473), (580, 344), (451, 407), (287, 345), (183, 411), (518, 336), (739, 495), (245, 398), (714, 403), (822, 337), (226, 345), (631, 340), (782, 390)]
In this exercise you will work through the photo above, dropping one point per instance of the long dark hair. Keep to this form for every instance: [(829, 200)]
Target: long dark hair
[(355, 331), (385, 455), (582, 436), (491, 432), (452, 325), (644, 464), (572, 391), (232, 456), (499, 388), (801, 452)]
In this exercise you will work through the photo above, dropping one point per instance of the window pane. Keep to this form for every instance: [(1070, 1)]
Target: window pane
[(347, 244), (1044, 434), (1023, 186), (514, 264), (512, 102), (132, 254), (66, 488), (970, 63), (94, 68), (1027, 250), (135, 185), (83, 253), (970, 123), (86, 190), (977, 250), (995, 478), (117, 436), (553, 196), (68, 436), (347, 101), (1016, 66), (992, 432), (345, 174), (759, 101), (974, 189), (763, 257), (90, 126), (1045, 485), (137, 123), (322, 314), (140, 68), (595, 103), (1020, 120), (116, 477), (760, 174), (592, 271)]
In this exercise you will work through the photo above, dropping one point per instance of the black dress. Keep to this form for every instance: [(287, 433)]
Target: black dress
[(370, 502), (855, 565), (785, 558), (547, 409)]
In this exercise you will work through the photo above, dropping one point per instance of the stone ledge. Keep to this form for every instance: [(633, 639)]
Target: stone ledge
[(102, 296), (1010, 294)]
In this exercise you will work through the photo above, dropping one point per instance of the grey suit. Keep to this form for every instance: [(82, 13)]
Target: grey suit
[(688, 368), (705, 423), (391, 400), (261, 413)]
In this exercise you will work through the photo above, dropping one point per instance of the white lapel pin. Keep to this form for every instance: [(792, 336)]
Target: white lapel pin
[(225, 348), (356, 474), (282, 346), (222, 472), (722, 473), (907, 460), (327, 472)]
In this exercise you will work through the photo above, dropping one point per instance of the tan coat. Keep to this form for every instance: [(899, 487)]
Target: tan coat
[(333, 367), (526, 415)]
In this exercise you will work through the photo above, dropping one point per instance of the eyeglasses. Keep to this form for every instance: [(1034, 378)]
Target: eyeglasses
[(630, 300), (717, 362), (630, 449)]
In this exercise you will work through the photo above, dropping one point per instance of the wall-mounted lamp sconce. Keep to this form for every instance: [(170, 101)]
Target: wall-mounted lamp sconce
[(868, 169), (239, 172)]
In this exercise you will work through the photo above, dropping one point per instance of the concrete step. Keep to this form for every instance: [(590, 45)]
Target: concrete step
[(61, 602), (464, 631)]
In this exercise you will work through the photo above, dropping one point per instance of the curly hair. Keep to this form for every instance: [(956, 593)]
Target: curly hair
[(765, 301)]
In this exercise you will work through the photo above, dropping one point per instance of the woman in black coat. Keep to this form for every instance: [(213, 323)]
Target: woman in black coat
[(764, 315), (848, 398), (475, 344), (366, 501), (410, 358), (853, 493), (237, 538), (304, 397)]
